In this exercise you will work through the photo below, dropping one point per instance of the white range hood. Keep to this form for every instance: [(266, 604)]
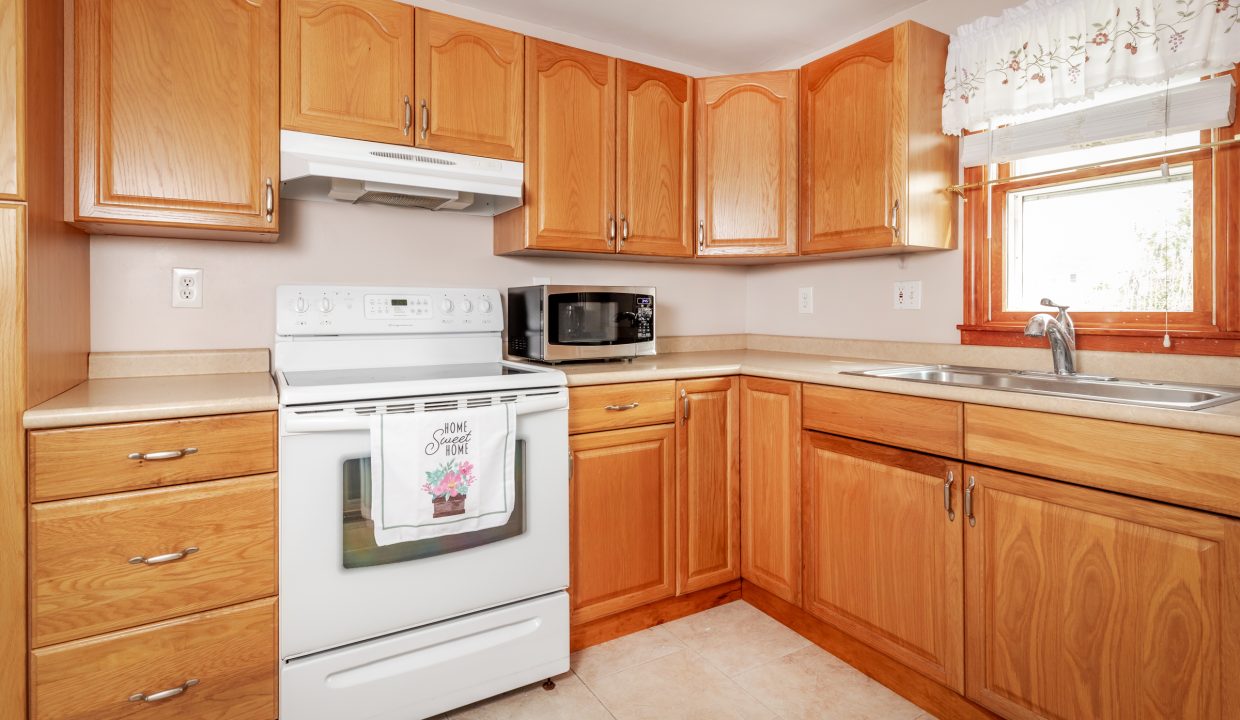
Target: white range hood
[(319, 167)]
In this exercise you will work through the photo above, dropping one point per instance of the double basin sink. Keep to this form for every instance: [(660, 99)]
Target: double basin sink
[(1174, 396)]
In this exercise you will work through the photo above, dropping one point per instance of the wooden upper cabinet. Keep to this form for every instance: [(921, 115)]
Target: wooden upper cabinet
[(1084, 604), (470, 81), (174, 135), (883, 553), (747, 164), (348, 69), (874, 162), (654, 184), (12, 99), (708, 483)]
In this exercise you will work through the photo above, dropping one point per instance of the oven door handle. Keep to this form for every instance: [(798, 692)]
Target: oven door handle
[(304, 422)]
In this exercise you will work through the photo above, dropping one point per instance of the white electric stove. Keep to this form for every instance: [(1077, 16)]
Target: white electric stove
[(410, 630)]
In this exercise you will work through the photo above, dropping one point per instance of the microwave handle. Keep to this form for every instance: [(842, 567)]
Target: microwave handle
[(342, 422)]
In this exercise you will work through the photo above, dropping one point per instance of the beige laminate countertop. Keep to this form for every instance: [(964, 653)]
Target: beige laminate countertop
[(129, 399), (826, 370)]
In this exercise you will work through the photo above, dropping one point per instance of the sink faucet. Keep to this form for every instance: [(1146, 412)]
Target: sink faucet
[(1061, 334)]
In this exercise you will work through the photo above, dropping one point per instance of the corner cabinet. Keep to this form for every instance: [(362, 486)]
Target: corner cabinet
[(747, 161), (174, 137), (708, 483), (1085, 604), (874, 161)]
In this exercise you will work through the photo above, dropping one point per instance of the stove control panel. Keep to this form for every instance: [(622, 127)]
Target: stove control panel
[(361, 310)]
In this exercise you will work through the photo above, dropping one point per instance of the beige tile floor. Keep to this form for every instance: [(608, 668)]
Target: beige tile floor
[(729, 662)]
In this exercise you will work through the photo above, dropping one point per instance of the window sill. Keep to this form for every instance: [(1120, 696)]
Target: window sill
[(1183, 342)]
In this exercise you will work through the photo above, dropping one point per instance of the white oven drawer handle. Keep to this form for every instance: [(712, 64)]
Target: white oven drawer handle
[(163, 454), (161, 559), (164, 694), (335, 422)]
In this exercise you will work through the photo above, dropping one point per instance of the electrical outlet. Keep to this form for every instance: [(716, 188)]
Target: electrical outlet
[(907, 295), (805, 300), (186, 287)]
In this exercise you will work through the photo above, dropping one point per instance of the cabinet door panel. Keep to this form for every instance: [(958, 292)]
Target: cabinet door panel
[(747, 164), (348, 69), (570, 148), (1084, 604), (883, 556), (771, 486), (471, 81), (12, 99), (169, 129), (623, 522), (708, 484), (654, 119)]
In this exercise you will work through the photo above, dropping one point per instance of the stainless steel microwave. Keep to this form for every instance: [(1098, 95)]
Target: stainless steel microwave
[(558, 323)]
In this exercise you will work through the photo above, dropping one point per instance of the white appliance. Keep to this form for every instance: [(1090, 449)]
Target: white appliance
[(413, 629), (319, 167)]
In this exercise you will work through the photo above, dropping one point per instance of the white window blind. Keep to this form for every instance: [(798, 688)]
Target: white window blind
[(1197, 106)]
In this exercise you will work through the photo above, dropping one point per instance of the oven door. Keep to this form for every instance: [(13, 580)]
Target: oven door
[(583, 322), (338, 587)]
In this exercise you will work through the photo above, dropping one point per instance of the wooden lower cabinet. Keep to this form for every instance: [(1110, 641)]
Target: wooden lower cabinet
[(1085, 604), (622, 505), (708, 484), (770, 449), (883, 551)]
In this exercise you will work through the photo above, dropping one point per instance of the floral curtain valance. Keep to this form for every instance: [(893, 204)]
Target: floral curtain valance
[(1051, 52)]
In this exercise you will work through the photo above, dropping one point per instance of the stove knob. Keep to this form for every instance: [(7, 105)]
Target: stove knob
[(446, 305), (301, 305), (326, 305), (467, 306), (484, 306)]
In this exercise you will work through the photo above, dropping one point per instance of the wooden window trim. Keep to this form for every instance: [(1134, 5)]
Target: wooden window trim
[(1210, 331)]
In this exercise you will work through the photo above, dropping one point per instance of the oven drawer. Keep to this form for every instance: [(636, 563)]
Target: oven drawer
[(230, 653), (97, 459), (608, 407), (431, 669), (84, 578)]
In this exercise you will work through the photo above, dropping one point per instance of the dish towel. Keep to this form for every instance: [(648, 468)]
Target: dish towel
[(441, 473)]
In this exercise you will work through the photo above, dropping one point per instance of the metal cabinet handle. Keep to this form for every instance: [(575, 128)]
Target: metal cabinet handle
[(161, 559), (164, 694), (701, 234), (895, 218), (570, 464), (271, 200), (624, 228), (163, 454), (408, 116), (627, 406), (947, 495), (968, 501), (684, 405), (611, 228), (426, 118)]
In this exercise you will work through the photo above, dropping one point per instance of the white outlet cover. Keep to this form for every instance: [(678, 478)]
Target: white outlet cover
[(805, 300), (907, 295), (186, 287)]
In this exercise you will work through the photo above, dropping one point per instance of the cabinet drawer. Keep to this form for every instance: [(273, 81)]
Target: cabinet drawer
[(917, 423), (94, 460), (231, 653), (607, 407), (83, 577)]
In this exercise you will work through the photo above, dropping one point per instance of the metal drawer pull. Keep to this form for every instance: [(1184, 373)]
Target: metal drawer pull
[(164, 694), (947, 495), (163, 454), (968, 501), (161, 559), (628, 406)]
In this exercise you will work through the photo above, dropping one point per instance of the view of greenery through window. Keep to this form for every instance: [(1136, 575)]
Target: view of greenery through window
[(1122, 244)]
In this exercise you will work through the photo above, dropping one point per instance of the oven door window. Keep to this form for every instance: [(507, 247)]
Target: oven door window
[(359, 532), (600, 318)]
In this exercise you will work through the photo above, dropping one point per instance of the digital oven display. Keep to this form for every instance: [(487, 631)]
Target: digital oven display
[(400, 302)]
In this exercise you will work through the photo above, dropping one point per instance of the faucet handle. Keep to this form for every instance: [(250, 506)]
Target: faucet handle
[(1047, 302)]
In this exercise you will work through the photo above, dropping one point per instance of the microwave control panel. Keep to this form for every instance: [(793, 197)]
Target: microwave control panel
[(645, 317)]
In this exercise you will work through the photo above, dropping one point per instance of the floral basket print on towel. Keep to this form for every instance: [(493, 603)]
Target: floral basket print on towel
[(447, 486)]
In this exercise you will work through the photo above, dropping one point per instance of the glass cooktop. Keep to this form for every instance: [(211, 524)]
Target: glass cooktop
[(421, 373)]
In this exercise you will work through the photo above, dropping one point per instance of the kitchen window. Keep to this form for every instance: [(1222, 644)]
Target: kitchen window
[(1140, 250)]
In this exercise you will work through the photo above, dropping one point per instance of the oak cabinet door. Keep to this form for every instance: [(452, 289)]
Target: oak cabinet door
[(708, 484), (172, 131), (622, 519), (747, 164), (654, 185), (883, 552), (1084, 604), (12, 99), (348, 69), (771, 486), (470, 80), (570, 117)]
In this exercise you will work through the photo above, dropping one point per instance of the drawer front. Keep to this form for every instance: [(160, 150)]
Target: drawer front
[(608, 407), (1182, 467), (94, 460), (86, 577), (231, 653), (917, 423)]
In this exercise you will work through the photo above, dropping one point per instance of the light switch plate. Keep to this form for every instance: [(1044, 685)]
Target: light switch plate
[(805, 300), (186, 287), (907, 295)]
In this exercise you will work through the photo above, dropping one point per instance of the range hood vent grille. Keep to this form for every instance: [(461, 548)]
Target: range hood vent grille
[(411, 201), (412, 158)]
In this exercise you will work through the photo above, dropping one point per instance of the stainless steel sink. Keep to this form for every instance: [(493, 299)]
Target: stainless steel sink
[(1176, 396)]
